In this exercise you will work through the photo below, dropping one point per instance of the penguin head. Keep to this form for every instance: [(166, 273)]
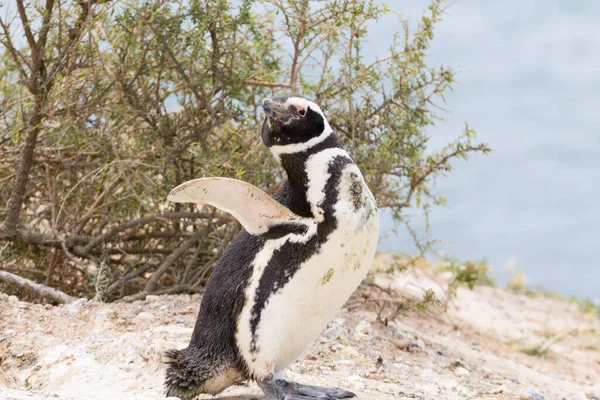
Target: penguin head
[(293, 124)]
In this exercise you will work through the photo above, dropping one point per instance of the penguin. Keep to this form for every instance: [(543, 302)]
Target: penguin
[(299, 257)]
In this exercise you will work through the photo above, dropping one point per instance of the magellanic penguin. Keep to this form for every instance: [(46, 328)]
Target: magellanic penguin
[(298, 259)]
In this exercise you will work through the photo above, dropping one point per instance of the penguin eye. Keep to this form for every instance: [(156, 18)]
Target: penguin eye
[(302, 112)]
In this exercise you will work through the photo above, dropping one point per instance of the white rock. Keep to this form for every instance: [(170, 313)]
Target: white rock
[(332, 333), (530, 394), (361, 331), (350, 351), (363, 326), (9, 333), (13, 299), (76, 305), (144, 316), (336, 346), (346, 362), (593, 394), (104, 317), (417, 344), (448, 384)]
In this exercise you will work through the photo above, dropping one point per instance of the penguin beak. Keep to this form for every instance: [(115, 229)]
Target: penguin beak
[(274, 110)]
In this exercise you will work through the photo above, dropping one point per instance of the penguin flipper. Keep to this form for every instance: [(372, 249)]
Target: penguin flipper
[(254, 209)]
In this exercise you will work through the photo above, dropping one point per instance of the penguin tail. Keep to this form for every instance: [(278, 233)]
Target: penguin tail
[(190, 372), (182, 380)]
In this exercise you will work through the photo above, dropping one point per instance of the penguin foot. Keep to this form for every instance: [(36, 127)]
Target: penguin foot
[(281, 389)]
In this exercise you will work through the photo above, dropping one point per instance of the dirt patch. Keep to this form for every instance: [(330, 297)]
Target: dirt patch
[(478, 350)]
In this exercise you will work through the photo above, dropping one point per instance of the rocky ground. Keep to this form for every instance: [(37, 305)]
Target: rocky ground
[(485, 347)]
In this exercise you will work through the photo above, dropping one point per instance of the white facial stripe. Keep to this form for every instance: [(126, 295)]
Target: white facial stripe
[(299, 102), (317, 170)]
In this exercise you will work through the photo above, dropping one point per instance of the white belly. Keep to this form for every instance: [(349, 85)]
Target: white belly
[(295, 315), (300, 312)]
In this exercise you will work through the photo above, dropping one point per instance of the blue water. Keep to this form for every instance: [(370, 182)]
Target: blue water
[(529, 74)]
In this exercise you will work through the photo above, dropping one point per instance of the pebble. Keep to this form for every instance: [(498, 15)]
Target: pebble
[(361, 331), (104, 315), (419, 343), (144, 316), (350, 351), (17, 351), (9, 333), (336, 346), (13, 299), (3, 297), (76, 305), (412, 345), (333, 332), (530, 394), (402, 344), (363, 326)]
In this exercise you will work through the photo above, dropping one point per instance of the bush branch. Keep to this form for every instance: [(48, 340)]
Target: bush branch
[(37, 288)]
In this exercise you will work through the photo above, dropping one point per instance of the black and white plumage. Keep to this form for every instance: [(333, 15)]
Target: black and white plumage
[(299, 257)]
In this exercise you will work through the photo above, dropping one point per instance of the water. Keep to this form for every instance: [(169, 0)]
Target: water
[(529, 84)]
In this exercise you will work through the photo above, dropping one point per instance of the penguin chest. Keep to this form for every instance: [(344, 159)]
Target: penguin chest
[(295, 314)]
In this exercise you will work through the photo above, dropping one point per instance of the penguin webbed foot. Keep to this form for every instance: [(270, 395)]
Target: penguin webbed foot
[(281, 389)]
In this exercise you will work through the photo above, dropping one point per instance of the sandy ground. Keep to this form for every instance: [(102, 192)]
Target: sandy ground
[(476, 350)]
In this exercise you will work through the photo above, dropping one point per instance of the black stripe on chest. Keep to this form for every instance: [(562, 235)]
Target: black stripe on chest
[(279, 231), (290, 257), (295, 167)]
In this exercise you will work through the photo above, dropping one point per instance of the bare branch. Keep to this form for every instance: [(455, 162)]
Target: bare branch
[(153, 281), (80, 224), (16, 56), (37, 288), (138, 222), (255, 82), (201, 99), (416, 181), (26, 24)]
